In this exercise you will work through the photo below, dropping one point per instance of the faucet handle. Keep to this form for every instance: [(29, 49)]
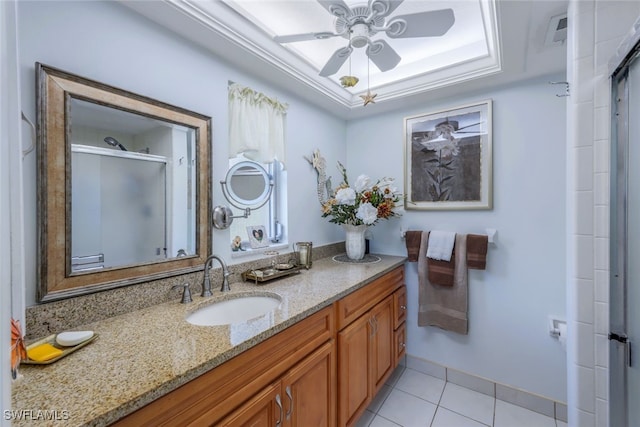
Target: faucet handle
[(186, 294)]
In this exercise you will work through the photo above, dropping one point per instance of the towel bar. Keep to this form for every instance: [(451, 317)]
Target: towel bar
[(491, 234)]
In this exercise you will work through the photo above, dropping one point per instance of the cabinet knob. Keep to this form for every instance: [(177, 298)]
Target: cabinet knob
[(403, 307)]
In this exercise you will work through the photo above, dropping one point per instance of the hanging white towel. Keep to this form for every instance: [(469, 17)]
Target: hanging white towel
[(441, 245)]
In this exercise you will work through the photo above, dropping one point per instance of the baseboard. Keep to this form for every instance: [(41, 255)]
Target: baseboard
[(515, 396)]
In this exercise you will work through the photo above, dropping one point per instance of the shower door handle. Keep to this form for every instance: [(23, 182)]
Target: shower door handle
[(624, 340)]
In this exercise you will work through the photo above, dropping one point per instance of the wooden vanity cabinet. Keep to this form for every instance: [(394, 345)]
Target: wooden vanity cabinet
[(367, 343), (305, 396), (249, 382), (319, 372)]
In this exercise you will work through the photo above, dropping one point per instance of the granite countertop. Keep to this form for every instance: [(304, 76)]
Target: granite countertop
[(142, 355)]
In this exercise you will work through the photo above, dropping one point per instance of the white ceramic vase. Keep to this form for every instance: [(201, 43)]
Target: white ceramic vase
[(354, 240)]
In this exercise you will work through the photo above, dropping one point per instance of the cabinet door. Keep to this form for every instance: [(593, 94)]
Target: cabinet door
[(382, 345), (262, 410), (399, 306), (353, 369), (310, 390), (400, 344)]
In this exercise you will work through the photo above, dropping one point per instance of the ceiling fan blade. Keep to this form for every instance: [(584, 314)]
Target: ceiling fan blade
[(383, 55), (384, 7), (303, 37), (335, 62), (337, 8), (422, 24)]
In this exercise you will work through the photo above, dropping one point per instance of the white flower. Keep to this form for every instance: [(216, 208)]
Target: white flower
[(362, 184), (346, 196), (367, 213), (392, 194)]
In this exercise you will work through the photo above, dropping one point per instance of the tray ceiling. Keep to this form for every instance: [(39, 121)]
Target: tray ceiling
[(489, 41)]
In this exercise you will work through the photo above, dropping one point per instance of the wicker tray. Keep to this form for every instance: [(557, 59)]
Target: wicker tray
[(266, 274)]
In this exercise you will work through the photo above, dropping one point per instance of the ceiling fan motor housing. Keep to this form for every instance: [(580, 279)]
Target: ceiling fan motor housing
[(359, 35), (358, 25)]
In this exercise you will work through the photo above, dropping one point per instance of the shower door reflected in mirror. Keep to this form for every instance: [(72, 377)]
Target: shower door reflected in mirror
[(118, 214), (131, 188)]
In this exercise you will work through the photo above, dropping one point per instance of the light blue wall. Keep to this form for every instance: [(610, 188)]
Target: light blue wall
[(524, 282), (509, 302), (108, 42)]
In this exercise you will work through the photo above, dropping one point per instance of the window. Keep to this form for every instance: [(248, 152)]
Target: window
[(256, 134)]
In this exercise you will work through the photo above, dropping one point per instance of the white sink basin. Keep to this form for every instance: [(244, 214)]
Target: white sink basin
[(237, 309)]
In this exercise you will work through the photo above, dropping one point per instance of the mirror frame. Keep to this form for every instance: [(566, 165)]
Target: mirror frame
[(55, 88)]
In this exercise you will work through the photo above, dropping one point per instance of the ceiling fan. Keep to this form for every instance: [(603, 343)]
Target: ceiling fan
[(359, 23)]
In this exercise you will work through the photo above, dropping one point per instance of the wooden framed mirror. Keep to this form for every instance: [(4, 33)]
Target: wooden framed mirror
[(123, 187)]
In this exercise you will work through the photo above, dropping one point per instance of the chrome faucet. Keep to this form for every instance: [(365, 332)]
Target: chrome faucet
[(206, 285)]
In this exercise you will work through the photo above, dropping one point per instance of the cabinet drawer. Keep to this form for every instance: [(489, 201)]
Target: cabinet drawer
[(399, 306), (400, 343), (359, 302)]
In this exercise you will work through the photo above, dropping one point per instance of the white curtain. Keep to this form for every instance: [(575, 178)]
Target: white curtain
[(256, 125)]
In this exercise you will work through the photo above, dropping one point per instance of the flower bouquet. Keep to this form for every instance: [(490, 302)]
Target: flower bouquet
[(361, 205)]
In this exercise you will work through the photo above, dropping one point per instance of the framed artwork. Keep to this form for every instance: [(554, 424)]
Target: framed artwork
[(257, 236), (448, 159)]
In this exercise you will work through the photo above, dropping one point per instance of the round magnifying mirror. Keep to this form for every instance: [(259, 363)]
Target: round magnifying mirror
[(248, 185)]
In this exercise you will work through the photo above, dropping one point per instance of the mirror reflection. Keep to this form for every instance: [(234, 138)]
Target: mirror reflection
[(132, 192), (123, 185)]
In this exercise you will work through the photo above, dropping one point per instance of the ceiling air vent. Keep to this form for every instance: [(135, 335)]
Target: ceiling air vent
[(557, 30)]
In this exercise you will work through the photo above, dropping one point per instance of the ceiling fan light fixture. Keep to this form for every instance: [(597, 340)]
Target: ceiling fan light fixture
[(359, 35)]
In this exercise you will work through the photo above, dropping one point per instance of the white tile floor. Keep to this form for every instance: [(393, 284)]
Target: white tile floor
[(411, 398)]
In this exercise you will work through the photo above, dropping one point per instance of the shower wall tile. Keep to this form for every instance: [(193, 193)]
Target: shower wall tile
[(584, 205), (586, 385), (602, 383), (584, 168), (583, 92), (601, 190), (602, 95), (602, 155), (601, 253), (602, 412), (602, 286), (602, 123), (584, 257), (585, 290), (584, 30), (585, 354), (602, 318), (585, 419), (584, 134), (602, 351), (601, 221)]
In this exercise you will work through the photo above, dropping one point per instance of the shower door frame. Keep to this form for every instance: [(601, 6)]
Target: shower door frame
[(620, 357)]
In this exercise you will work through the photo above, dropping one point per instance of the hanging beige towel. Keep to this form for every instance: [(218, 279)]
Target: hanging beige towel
[(443, 306)]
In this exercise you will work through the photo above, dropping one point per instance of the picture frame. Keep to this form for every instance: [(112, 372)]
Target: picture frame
[(258, 237), (448, 158)]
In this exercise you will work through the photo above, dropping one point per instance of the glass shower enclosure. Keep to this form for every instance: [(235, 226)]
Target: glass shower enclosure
[(119, 208)]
